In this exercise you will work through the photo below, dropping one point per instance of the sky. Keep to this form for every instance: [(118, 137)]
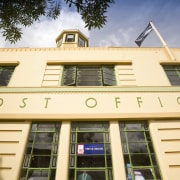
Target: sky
[(126, 20)]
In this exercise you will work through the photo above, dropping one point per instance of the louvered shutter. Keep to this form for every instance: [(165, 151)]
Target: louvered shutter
[(69, 76), (108, 76)]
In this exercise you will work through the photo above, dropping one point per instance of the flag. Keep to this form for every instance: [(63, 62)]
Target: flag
[(143, 35)]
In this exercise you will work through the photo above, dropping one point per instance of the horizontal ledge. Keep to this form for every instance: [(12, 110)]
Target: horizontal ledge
[(174, 166), (169, 62), (169, 140), (9, 63), (168, 129), (108, 89), (172, 152), (90, 117), (117, 62), (9, 131), (5, 142)]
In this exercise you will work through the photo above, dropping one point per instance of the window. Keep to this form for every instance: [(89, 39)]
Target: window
[(41, 152), (59, 42), (139, 156), (89, 75), (70, 37), (5, 74), (173, 73), (81, 42), (90, 151)]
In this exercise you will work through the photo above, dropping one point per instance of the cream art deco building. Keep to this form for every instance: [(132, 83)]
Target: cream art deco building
[(97, 113)]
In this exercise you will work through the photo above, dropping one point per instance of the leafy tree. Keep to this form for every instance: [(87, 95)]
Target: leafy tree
[(15, 14)]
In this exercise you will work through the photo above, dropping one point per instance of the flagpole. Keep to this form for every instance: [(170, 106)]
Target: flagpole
[(163, 42)]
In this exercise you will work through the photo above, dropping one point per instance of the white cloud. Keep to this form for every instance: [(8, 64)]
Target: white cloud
[(43, 33)]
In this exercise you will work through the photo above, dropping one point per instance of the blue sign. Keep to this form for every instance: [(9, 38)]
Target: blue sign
[(91, 149)]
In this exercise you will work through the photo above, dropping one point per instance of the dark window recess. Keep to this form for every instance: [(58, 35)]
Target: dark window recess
[(5, 74), (89, 75), (173, 74)]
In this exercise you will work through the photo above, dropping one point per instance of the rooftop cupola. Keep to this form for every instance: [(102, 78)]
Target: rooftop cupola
[(72, 38)]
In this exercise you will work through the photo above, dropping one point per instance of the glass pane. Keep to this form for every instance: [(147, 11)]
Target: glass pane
[(126, 159), (138, 148), (72, 161), (157, 173), (135, 136), (107, 137), (54, 159), (29, 149), (40, 161), (91, 161), (109, 82), (73, 137), (143, 174), (81, 42), (5, 74), (90, 126), (53, 174), (72, 148), (55, 148), (123, 138), (31, 137), (124, 146), (151, 147), (133, 126), (91, 175), (23, 174), (69, 75), (34, 127), (44, 137), (88, 72), (108, 149), (109, 161), (89, 83), (140, 160), (71, 174), (89, 137), (46, 127), (154, 161), (110, 176), (38, 175), (42, 149), (70, 37), (26, 161)]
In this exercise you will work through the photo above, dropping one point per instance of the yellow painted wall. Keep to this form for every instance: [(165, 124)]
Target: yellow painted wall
[(166, 139), (13, 139)]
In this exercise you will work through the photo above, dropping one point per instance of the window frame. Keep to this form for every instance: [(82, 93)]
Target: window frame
[(30, 154), (74, 170), (172, 72), (106, 76), (70, 39), (128, 154), (11, 64)]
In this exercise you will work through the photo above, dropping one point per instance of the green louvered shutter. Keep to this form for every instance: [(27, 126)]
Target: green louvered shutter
[(173, 74), (69, 76), (108, 76)]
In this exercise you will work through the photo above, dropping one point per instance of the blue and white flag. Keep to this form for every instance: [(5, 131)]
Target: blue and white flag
[(143, 35)]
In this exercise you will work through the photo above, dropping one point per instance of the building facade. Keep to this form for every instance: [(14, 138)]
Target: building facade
[(76, 112)]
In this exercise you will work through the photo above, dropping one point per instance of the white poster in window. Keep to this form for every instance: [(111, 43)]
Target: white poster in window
[(80, 149)]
